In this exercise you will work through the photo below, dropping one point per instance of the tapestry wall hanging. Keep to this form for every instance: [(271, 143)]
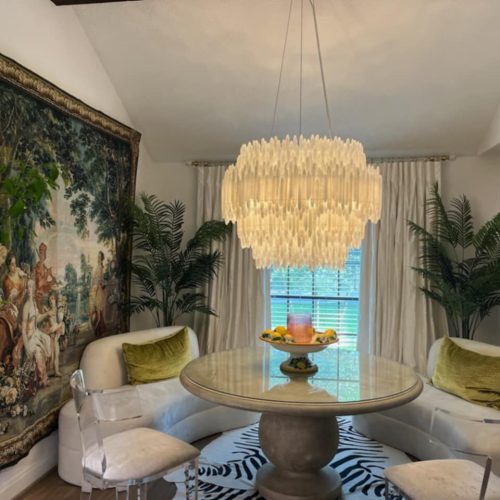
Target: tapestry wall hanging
[(67, 175)]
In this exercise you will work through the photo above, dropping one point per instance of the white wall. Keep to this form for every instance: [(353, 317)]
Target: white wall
[(479, 179), (50, 41)]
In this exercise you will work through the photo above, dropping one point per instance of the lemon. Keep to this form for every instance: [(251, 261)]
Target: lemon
[(281, 330)]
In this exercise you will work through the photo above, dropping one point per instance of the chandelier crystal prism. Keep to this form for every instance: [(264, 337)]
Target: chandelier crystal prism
[(301, 202)]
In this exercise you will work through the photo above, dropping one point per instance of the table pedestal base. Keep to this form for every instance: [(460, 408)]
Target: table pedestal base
[(298, 448), (276, 484)]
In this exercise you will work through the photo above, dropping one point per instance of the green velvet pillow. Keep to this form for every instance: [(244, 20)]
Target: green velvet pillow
[(472, 376), (158, 360)]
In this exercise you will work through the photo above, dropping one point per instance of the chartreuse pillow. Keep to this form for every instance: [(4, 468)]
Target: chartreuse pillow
[(158, 360), (472, 376)]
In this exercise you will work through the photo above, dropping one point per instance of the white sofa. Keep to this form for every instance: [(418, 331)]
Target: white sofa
[(407, 427), (166, 405)]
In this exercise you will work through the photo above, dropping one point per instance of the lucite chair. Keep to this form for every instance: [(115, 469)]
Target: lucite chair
[(127, 458), (462, 475)]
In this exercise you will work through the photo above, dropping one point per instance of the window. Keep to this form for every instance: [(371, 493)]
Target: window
[(330, 296)]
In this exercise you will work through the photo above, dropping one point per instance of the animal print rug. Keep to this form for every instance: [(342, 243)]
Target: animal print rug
[(228, 465)]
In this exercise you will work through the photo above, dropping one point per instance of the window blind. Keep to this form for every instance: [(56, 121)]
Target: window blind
[(330, 296)]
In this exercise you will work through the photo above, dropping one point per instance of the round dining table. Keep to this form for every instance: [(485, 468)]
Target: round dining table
[(298, 429)]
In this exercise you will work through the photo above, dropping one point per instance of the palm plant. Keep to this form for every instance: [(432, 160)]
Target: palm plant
[(461, 267), (169, 277)]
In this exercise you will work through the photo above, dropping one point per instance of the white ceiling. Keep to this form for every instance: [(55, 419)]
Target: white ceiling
[(198, 77)]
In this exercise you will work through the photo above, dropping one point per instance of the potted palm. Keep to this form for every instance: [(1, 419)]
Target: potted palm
[(461, 267), (169, 276)]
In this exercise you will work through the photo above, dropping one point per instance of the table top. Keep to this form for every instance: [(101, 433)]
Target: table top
[(347, 382)]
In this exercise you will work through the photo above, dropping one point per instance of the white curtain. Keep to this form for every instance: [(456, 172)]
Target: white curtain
[(396, 320), (240, 293)]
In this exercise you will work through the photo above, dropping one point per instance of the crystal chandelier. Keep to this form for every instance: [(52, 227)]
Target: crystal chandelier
[(301, 202)]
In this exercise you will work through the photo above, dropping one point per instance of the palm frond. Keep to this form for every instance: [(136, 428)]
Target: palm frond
[(441, 226), (142, 303), (200, 271), (161, 269), (144, 276), (191, 300), (460, 216), (489, 303), (466, 286), (434, 255), (487, 238), (209, 232)]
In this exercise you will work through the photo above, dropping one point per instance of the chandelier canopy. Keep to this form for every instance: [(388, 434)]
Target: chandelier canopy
[(301, 202)]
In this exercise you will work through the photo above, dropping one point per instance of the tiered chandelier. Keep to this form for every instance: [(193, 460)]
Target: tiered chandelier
[(301, 202)]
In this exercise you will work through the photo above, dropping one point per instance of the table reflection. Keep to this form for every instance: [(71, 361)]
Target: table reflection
[(338, 373), (344, 376)]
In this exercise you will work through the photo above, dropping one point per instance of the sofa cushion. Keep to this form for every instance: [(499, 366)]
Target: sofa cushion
[(467, 374), (158, 360), (470, 345), (102, 360)]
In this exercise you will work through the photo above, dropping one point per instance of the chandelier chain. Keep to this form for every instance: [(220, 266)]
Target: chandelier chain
[(281, 68), (301, 58), (301, 201), (325, 95)]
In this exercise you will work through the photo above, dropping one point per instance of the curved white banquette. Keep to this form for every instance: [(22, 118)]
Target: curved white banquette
[(408, 427), (166, 405)]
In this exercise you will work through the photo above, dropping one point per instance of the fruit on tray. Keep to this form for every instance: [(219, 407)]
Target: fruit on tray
[(275, 335), (281, 334)]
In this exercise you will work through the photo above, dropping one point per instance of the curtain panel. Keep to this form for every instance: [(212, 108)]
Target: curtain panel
[(239, 293), (396, 320)]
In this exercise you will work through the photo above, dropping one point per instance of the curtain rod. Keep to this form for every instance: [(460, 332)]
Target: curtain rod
[(209, 163), (411, 158), (215, 163)]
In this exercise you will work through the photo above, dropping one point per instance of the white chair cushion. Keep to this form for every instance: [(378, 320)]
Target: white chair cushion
[(139, 453), (442, 480)]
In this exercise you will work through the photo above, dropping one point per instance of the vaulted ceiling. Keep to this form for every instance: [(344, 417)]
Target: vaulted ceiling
[(198, 77)]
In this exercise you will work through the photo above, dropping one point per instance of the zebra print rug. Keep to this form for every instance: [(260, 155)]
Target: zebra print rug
[(228, 465)]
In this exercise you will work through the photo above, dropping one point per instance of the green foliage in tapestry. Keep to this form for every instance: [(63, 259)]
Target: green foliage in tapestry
[(42, 150), (66, 180)]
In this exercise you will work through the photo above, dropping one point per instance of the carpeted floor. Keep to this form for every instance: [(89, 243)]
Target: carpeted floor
[(228, 465)]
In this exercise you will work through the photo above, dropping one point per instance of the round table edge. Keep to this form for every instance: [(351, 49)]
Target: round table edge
[(301, 408)]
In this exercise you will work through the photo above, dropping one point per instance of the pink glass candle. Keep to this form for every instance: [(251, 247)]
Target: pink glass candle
[(300, 327)]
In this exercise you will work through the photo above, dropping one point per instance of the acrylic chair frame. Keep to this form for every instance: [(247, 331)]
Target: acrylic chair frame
[(107, 413), (488, 460)]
